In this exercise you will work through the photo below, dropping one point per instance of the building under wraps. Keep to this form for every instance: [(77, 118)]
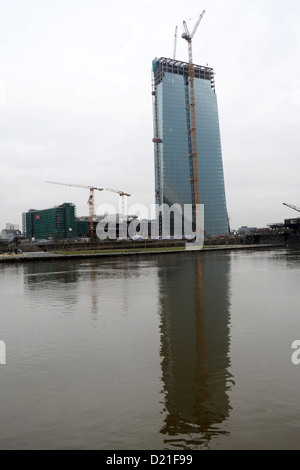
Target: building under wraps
[(58, 223)]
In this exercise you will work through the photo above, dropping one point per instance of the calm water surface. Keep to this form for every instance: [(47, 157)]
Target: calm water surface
[(185, 351)]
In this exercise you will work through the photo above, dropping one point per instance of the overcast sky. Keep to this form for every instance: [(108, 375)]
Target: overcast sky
[(76, 105)]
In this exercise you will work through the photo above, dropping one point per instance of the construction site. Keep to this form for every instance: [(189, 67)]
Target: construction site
[(289, 228), (188, 170), (60, 224), (187, 140)]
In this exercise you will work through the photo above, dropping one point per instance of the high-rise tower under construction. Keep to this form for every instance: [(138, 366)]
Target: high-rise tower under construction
[(174, 146)]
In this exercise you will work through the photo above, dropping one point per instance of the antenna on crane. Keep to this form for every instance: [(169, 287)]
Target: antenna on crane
[(122, 195), (194, 180), (90, 201), (175, 43)]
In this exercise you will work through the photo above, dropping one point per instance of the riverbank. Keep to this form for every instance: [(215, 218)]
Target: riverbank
[(62, 255)]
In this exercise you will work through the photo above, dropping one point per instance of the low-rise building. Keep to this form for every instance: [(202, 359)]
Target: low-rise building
[(10, 232)]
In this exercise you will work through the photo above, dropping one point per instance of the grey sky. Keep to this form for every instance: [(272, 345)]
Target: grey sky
[(76, 105)]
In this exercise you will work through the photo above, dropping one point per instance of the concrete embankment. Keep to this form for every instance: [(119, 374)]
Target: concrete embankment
[(67, 255)]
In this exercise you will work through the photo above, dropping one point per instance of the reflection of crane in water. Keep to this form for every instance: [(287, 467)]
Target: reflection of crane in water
[(93, 294), (98, 303), (200, 318)]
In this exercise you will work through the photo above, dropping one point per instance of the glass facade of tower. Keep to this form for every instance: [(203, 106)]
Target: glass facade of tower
[(172, 141)]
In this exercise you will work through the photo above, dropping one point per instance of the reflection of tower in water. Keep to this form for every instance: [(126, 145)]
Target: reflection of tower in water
[(195, 348)]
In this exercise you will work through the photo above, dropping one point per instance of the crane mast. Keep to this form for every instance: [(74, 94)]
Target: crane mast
[(91, 201), (194, 180), (122, 195)]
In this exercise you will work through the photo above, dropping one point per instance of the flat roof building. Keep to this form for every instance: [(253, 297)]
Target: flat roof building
[(10, 233), (173, 141), (57, 223)]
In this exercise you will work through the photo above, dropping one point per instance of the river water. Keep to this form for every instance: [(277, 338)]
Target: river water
[(184, 351)]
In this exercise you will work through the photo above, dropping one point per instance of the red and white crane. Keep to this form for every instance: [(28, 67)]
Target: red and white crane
[(122, 194)]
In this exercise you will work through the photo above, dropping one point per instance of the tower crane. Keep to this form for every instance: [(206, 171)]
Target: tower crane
[(292, 207), (194, 180), (122, 195), (90, 202)]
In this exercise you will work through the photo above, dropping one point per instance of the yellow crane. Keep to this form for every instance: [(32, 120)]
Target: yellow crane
[(195, 183), (91, 201), (122, 195)]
